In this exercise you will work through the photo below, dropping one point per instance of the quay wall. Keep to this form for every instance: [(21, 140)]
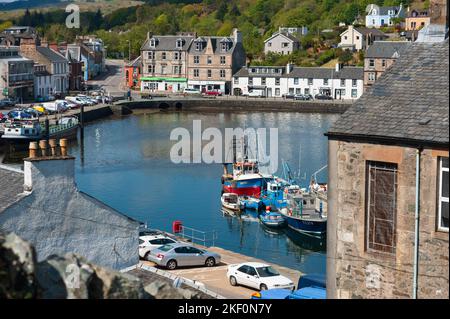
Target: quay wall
[(220, 105)]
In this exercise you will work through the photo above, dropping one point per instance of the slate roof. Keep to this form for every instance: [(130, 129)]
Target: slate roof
[(51, 55), (366, 31), (215, 43), (407, 105), (386, 49), (285, 34), (168, 42), (11, 185), (309, 73)]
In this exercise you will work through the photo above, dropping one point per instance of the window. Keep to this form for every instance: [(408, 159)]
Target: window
[(354, 82), (224, 46), (177, 55), (354, 93), (443, 194), (179, 44), (251, 271), (250, 81), (163, 55), (176, 69), (342, 82), (163, 69), (196, 73), (151, 68), (277, 92), (306, 91), (244, 269), (298, 91), (296, 81), (223, 59), (371, 76), (236, 80), (263, 81), (383, 63), (381, 209), (277, 81), (284, 45), (222, 73), (325, 81), (196, 59), (209, 59), (357, 37), (269, 44), (345, 37), (371, 63), (152, 43), (209, 73), (198, 46), (310, 81)]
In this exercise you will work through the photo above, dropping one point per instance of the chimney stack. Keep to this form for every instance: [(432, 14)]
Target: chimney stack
[(63, 144), (338, 67), (53, 146), (33, 150), (43, 146)]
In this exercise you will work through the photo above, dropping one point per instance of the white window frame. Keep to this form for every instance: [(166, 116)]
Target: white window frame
[(441, 198)]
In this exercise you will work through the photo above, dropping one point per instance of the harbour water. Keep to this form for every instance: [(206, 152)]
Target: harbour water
[(126, 163)]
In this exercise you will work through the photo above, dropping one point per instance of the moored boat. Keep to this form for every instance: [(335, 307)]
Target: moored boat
[(272, 219), (231, 201)]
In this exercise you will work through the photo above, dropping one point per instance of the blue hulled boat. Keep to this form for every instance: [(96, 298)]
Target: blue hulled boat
[(272, 219)]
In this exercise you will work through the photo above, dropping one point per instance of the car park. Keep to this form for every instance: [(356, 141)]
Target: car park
[(311, 286), (323, 97), (148, 243), (258, 276), (176, 255)]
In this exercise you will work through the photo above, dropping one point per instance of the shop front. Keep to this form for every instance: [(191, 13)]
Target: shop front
[(162, 84)]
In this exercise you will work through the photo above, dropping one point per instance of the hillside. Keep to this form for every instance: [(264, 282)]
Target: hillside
[(257, 19)]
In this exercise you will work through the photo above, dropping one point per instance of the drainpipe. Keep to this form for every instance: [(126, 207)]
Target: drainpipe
[(416, 230)]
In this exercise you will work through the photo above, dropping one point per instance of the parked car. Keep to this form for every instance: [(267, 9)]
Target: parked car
[(191, 91), (256, 93), (57, 106), (303, 97), (90, 101), (258, 276), (213, 93), (150, 242), (323, 97), (76, 100), (7, 103), (289, 96), (312, 286), (175, 255)]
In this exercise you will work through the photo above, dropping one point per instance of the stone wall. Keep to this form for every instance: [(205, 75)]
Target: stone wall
[(354, 272), (72, 277)]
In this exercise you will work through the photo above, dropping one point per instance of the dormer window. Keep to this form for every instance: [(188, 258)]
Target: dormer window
[(198, 46), (152, 43), (224, 46), (179, 43)]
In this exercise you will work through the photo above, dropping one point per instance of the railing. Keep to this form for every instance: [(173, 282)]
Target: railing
[(201, 237)]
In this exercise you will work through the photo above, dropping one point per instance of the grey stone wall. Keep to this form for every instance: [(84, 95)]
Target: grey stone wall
[(57, 218), (354, 272)]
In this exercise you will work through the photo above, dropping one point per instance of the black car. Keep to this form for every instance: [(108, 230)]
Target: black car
[(303, 97), (289, 96), (323, 97)]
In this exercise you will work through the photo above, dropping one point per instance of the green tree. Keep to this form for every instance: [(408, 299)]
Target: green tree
[(346, 57)]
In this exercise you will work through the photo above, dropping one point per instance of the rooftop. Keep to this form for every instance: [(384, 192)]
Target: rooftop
[(51, 55), (406, 105), (387, 49), (11, 185)]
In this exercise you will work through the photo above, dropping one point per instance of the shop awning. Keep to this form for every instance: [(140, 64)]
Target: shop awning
[(163, 79)]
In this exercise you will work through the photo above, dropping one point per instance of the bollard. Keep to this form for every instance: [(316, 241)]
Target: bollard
[(33, 149), (63, 144), (43, 146)]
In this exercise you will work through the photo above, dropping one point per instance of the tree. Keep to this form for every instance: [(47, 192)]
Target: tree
[(221, 10), (346, 57)]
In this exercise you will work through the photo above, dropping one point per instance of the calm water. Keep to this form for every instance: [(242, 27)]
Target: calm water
[(126, 164)]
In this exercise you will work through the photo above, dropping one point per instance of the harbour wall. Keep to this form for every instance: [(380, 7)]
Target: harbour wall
[(236, 105)]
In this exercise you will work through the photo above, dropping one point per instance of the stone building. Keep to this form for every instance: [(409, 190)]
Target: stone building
[(379, 57), (212, 61), (394, 135), (164, 62), (43, 205)]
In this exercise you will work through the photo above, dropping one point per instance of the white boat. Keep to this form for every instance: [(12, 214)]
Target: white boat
[(231, 201), (22, 130)]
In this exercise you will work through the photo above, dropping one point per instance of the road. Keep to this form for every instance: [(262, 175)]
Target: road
[(113, 80)]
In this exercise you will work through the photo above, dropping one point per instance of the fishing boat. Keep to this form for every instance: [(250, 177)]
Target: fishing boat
[(274, 195), (252, 203), (303, 216), (272, 219), (231, 201)]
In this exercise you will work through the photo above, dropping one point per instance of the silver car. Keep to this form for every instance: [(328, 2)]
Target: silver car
[(172, 256)]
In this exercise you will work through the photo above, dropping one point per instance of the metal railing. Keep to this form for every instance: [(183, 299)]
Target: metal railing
[(202, 237)]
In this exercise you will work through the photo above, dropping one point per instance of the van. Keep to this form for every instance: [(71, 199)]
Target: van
[(55, 106), (191, 91)]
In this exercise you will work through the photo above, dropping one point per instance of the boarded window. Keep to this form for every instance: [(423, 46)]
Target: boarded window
[(443, 194), (381, 207)]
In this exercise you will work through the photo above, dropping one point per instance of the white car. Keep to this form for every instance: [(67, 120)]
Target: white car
[(256, 93), (191, 91), (150, 242), (258, 276)]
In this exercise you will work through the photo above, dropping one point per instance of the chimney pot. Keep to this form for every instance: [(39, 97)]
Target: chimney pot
[(53, 146), (63, 144), (43, 146), (33, 149)]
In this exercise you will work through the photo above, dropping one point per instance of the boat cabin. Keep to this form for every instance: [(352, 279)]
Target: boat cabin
[(246, 167)]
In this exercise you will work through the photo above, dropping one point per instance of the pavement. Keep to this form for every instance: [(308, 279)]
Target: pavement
[(215, 278), (113, 80)]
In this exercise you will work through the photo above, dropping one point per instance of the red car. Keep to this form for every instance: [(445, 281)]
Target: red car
[(213, 93)]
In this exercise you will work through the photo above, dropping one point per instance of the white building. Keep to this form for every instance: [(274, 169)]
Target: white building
[(43, 84), (341, 82), (378, 17), (360, 38)]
